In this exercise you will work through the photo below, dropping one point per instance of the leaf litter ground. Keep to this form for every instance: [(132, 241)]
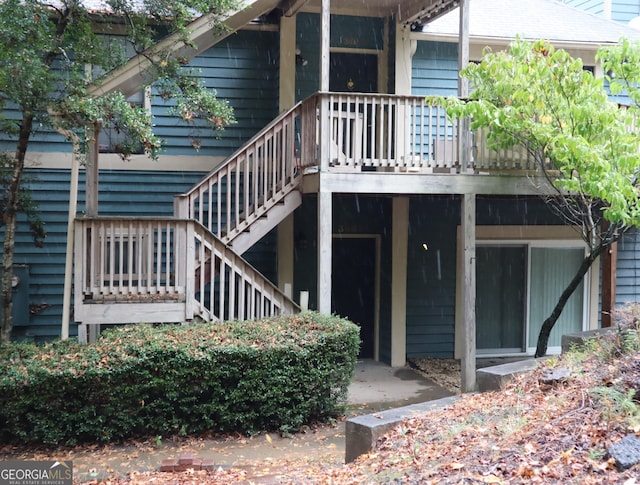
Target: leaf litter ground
[(529, 432)]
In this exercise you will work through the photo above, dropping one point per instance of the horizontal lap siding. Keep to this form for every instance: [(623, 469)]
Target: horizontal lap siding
[(431, 276), (431, 273), (592, 6), (628, 268), (434, 72), (624, 10), (434, 69), (243, 70)]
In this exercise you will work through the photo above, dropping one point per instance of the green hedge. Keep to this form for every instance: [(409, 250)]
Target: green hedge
[(145, 380)]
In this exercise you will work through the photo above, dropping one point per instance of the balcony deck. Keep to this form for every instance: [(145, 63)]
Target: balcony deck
[(390, 144)]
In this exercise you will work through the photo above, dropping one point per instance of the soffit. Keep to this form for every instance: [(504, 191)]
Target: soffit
[(407, 11)]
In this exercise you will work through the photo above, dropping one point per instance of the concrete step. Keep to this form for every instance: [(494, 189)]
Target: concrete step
[(362, 432), (497, 377)]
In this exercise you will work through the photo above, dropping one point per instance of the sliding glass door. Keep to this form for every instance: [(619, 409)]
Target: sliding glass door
[(517, 286)]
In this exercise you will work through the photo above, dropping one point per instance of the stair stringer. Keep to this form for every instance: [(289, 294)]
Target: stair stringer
[(270, 219)]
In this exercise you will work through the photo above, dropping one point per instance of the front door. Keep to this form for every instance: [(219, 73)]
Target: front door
[(353, 73), (353, 286)]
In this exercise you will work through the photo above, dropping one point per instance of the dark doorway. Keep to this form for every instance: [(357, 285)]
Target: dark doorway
[(353, 286), (353, 72)]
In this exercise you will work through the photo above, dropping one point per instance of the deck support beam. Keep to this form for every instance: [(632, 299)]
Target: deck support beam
[(468, 361), (325, 43), (399, 244), (325, 222), (325, 246), (287, 100), (468, 357)]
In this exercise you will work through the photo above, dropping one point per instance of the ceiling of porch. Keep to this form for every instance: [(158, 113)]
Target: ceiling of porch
[(408, 11)]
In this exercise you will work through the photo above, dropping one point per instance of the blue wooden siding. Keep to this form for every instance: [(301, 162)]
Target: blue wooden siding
[(592, 6), (628, 268), (431, 276), (435, 69), (624, 10), (130, 193), (434, 72), (621, 10), (243, 69), (346, 31)]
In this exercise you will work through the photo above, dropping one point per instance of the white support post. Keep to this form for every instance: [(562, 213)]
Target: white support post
[(73, 203), (324, 198), (325, 44), (304, 300), (324, 251)]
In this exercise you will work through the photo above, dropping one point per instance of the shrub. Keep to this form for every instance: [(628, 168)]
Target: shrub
[(145, 380)]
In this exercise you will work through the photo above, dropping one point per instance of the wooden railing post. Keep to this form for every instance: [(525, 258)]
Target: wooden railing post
[(325, 128), (187, 275), (181, 207)]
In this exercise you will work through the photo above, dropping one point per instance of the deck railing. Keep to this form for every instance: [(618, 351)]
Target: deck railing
[(173, 269), (401, 133), (130, 258), (227, 287), (250, 182), (155, 262)]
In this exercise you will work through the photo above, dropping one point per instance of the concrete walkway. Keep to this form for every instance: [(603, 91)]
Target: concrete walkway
[(375, 387)]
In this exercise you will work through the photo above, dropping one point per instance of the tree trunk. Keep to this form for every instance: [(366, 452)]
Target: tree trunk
[(9, 217), (548, 324)]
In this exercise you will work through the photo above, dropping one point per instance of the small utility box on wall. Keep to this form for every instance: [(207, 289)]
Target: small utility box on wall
[(20, 295)]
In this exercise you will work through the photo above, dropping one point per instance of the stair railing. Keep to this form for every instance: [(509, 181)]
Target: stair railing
[(227, 287), (244, 187)]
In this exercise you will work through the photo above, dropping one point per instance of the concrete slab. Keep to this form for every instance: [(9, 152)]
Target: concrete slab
[(377, 386), (362, 432), (579, 338)]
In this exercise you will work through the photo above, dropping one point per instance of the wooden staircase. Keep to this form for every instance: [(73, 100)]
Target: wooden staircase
[(158, 270)]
